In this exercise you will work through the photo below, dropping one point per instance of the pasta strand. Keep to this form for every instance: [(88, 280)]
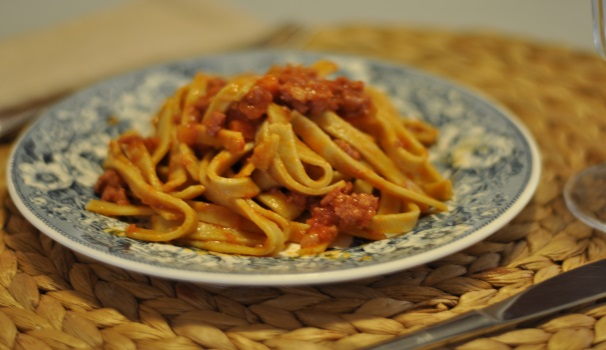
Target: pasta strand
[(251, 164)]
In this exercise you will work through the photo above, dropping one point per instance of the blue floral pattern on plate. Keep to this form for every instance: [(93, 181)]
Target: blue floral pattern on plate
[(490, 157)]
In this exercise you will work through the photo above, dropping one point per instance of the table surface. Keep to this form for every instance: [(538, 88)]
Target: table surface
[(51, 297)]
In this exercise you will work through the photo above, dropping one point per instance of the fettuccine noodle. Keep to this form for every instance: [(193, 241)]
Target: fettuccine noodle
[(253, 163)]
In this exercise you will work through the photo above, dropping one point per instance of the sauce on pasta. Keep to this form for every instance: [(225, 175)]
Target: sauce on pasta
[(252, 163)]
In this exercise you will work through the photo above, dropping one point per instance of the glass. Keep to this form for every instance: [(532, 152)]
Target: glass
[(585, 193)]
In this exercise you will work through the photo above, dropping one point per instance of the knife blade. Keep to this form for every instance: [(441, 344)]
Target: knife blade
[(572, 288)]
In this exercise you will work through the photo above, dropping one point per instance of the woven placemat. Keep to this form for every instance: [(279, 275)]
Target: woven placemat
[(51, 297)]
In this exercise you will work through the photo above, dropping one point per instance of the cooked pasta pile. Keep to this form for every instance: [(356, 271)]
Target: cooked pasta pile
[(253, 163)]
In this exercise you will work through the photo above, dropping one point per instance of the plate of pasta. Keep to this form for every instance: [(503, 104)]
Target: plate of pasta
[(273, 168)]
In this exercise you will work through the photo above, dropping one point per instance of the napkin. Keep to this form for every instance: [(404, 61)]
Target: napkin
[(40, 66)]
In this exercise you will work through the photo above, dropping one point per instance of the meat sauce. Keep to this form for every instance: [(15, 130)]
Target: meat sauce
[(296, 87), (339, 210), (112, 188)]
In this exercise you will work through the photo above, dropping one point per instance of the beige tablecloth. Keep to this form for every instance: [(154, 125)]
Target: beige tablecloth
[(42, 65)]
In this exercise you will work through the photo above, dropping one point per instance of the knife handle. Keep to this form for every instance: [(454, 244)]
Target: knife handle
[(455, 329)]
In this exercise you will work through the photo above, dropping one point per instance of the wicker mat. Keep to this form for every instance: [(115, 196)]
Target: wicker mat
[(51, 297)]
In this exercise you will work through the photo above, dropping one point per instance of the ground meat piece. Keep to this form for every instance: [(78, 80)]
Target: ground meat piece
[(245, 127), (353, 100), (348, 148), (151, 143), (270, 83), (238, 121), (307, 96), (353, 210), (301, 88), (297, 199), (112, 188), (322, 227), (246, 115), (340, 210), (214, 122), (254, 104)]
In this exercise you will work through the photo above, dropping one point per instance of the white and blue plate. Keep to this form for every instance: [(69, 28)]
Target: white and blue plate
[(491, 158)]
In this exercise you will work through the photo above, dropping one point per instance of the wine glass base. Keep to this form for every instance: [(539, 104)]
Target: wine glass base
[(585, 196)]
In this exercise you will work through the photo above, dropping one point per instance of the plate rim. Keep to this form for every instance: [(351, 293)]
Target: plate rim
[(302, 278)]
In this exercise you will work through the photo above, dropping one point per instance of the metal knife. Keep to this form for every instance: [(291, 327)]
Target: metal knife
[(572, 288)]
